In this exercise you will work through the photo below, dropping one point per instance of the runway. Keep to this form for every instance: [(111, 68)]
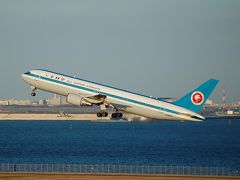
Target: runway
[(16, 176)]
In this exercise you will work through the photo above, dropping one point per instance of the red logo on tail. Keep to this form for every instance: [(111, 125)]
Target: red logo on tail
[(197, 98)]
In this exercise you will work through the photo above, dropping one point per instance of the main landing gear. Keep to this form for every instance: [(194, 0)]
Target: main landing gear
[(33, 91), (102, 114), (114, 115), (117, 115)]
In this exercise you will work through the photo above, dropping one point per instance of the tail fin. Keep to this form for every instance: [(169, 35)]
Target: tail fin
[(195, 99)]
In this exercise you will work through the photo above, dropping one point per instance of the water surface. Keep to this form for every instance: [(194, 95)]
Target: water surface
[(210, 143)]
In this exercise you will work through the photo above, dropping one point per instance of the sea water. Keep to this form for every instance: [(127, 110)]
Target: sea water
[(213, 143)]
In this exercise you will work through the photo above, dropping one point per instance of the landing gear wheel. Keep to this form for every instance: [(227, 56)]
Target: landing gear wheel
[(104, 114), (117, 115), (33, 93), (99, 114), (114, 115)]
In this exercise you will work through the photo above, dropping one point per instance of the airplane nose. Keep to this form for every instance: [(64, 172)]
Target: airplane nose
[(24, 77)]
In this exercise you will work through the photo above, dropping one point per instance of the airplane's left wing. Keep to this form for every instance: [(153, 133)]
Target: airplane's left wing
[(95, 99)]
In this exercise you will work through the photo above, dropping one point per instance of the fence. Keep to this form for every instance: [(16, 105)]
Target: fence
[(117, 169)]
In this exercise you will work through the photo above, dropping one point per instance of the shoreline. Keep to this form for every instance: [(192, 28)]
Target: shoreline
[(22, 116), (60, 117), (83, 117)]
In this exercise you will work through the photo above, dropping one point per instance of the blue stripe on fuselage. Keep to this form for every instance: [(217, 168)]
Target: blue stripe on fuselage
[(95, 83), (103, 93)]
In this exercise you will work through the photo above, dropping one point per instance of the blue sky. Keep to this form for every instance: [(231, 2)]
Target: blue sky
[(158, 48)]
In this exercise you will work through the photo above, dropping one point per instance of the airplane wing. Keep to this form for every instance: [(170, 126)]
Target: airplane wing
[(119, 106), (99, 99), (95, 99)]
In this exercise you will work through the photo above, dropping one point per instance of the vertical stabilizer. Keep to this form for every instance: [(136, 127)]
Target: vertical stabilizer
[(195, 99)]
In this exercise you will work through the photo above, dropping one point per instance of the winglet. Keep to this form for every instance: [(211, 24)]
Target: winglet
[(195, 99)]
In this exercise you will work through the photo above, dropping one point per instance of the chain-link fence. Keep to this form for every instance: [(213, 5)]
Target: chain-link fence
[(118, 169)]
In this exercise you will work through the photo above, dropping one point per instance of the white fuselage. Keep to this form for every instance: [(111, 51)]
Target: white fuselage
[(131, 102)]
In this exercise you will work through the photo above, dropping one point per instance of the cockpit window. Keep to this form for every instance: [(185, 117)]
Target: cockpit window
[(27, 72)]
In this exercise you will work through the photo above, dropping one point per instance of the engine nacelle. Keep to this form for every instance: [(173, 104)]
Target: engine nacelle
[(77, 100)]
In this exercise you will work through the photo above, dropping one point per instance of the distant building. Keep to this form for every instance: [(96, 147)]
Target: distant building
[(57, 100), (42, 102), (19, 102), (63, 100), (4, 103), (209, 103), (230, 112), (54, 101)]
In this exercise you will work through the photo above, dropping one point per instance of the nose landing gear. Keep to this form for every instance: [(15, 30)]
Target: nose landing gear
[(33, 91)]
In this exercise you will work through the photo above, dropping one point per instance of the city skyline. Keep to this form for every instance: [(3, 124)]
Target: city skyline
[(157, 48)]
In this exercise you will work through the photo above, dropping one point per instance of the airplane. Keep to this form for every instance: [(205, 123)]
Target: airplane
[(82, 92)]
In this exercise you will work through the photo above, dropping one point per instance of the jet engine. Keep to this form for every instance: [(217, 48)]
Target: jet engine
[(77, 100)]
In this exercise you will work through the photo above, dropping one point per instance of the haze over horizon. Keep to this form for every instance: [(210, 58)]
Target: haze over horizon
[(158, 48)]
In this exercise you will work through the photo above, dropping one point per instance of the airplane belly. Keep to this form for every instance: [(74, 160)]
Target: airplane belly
[(139, 110), (153, 114)]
